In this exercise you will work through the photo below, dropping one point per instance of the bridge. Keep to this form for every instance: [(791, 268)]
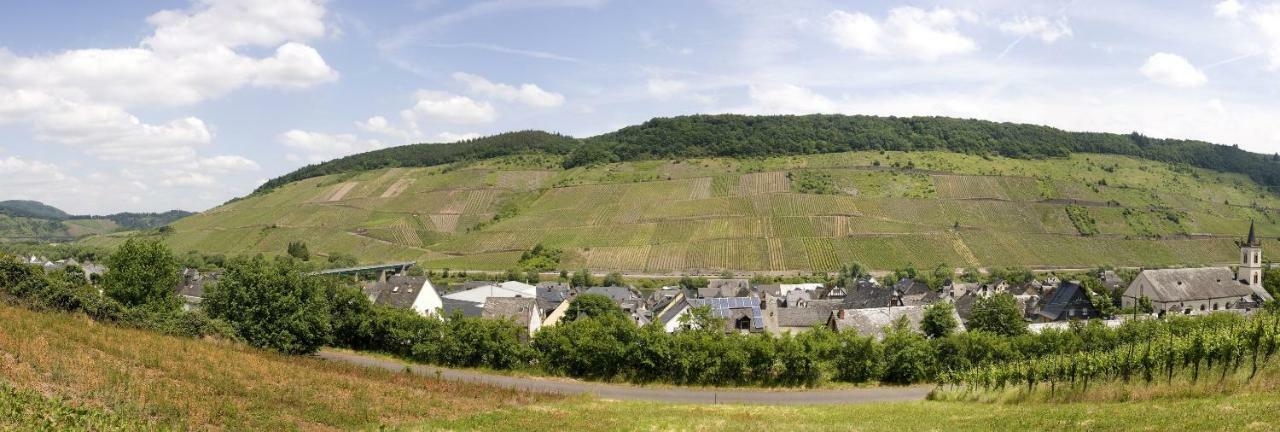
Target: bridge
[(395, 268)]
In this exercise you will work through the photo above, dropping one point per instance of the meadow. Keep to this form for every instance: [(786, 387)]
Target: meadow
[(63, 372), (882, 209)]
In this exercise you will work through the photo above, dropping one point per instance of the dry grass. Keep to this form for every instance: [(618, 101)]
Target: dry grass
[(171, 382)]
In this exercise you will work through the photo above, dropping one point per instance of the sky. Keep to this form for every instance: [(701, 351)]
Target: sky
[(185, 104)]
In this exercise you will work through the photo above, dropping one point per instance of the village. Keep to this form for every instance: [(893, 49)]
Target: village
[(867, 306)]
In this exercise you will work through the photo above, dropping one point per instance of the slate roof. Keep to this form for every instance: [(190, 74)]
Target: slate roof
[(802, 316), (468, 309), (670, 310), (725, 288), (868, 296), (871, 322), (518, 309), (1172, 285), (1069, 295), (399, 291), (619, 295)]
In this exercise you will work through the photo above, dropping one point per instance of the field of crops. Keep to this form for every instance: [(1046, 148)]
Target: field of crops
[(891, 209)]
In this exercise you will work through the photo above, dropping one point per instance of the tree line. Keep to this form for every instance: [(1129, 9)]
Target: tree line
[(743, 136)]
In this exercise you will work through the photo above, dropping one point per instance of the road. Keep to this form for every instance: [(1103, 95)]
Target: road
[(638, 393)]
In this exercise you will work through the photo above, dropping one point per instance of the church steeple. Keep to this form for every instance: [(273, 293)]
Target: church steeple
[(1253, 238)]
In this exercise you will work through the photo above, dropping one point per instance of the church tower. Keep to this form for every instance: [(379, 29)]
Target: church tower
[(1251, 261)]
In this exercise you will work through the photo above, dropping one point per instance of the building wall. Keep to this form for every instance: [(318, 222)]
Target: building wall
[(428, 302)]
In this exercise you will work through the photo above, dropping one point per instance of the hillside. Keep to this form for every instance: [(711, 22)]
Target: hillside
[(63, 372), (794, 213), (36, 221)]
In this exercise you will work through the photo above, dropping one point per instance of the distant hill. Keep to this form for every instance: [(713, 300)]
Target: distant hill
[(36, 221), (730, 135)]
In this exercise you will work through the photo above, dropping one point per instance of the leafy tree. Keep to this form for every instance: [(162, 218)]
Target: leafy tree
[(700, 318), (142, 272), (939, 320), (341, 260), (688, 282), (614, 280), (273, 305), (971, 275), (581, 278), (1271, 281), (592, 305), (998, 314), (540, 259), (298, 249), (941, 274), (908, 357)]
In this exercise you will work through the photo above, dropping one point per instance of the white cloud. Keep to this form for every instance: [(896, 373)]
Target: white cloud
[(447, 107), (907, 32), (1228, 8), (80, 97), (788, 99), (380, 125), (528, 94), (1172, 70), (666, 88), (1039, 27), (17, 173), (1267, 22), (227, 163), (319, 147), (189, 179)]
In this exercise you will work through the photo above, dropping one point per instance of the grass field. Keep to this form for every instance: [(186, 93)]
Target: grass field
[(60, 372), (63, 372), (728, 214)]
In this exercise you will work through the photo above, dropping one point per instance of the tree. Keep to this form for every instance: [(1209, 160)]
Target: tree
[(581, 278), (700, 318), (1271, 281), (298, 249), (941, 274), (142, 272), (998, 314), (592, 306), (341, 260), (614, 280), (939, 320), (273, 305)]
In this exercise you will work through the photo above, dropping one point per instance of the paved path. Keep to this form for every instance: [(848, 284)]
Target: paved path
[(628, 392)]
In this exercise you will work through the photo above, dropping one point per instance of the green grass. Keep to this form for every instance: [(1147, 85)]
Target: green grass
[(625, 216)]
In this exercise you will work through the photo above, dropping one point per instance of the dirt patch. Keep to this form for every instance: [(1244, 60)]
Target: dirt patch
[(341, 191), (445, 222), (397, 188)]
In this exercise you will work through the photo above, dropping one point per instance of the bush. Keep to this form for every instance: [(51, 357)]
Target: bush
[(273, 305), (142, 272), (998, 314), (939, 320)]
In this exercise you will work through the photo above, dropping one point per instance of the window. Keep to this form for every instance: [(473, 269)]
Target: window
[(1256, 279), (1257, 258), (1202, 308), (743, 323)]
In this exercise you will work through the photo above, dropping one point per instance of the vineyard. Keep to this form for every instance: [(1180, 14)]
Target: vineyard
[(881, 209), (1216, 353)]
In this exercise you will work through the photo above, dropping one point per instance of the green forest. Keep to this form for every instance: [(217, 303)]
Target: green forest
[(744, 136)]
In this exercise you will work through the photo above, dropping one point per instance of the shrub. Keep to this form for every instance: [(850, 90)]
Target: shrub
[(142, 272)]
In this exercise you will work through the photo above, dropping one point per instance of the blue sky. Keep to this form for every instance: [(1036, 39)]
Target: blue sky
[(148, 106)]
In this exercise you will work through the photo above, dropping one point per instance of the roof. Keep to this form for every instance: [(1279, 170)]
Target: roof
[(672, 309), (724, 307), (725, 288), (871, 322), (868, 296), (468, 309), (194, 282), (1172, 285), (519, 309), (1068, 295), (490, 290), (618, 294), (1252, 241), (399, 291), (803, 316)]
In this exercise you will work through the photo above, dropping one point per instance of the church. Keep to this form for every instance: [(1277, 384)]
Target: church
[(1193, 291)]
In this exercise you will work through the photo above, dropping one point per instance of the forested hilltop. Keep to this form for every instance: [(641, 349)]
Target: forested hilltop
[(731, 135)]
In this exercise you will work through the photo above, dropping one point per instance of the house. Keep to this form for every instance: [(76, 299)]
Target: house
[(835, 293), (869, 295), (956, 289), (192, 287), (725, 288), (524, 312), (964, 304), (1187, 291), (1070, 301), (414, 293), (798, 298), (911, 292), (1111, 280), (740, 314), (668, 314), (783, 289), (551, 294), (478, 293), (872, 322), (801, 319)]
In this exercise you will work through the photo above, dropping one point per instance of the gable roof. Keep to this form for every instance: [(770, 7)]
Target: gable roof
[(1068, 295), (1172, 285), (468, 309), (868, 296), (491, 290), (618, 294), (803, 316), (399, 291), (725, 288), (514, 308), (725, 307)]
